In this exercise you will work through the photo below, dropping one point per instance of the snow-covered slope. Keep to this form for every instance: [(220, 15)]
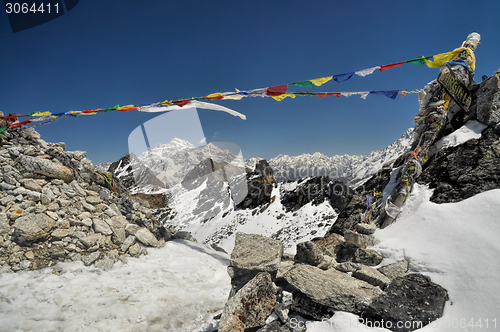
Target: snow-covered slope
[(208, 213), (177, 288), (350, 169)]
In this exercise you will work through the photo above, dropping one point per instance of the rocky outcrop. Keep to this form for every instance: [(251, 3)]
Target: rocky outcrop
[(316, 190), (54, 206), (260, 184), (466, 170), (412, 300), (133, 173), (488, 101), (315, 285)]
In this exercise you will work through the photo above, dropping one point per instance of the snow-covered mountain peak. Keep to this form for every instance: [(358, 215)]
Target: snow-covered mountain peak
[(350, 169)]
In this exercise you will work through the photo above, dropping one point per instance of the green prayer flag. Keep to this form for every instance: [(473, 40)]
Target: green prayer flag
[(419, 61), (303, 83), (109, 109)]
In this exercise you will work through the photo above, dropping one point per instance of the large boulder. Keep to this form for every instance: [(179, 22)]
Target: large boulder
[(413, 300), (330, 289), (47, 168), (35, 226), (252, 254), (250, 306), (488, 100)]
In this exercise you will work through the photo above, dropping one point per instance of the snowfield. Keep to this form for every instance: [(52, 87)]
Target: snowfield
[(179, 287)]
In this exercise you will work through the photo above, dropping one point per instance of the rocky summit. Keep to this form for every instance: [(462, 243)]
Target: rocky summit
[(55, 206)]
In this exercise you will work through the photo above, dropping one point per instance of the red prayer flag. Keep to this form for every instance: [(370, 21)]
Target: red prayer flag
[(323, 94), (181, 103), (19, 124), (277, 90), (91, 111), (393, 65), (127, 109)]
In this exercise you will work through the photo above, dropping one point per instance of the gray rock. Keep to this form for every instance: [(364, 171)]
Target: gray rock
[(34, 226), (250, 306), (7, 199), (488, 101), (274, 327), (47, 196), (106, 263), (135, 250), (87, 222), (59, 234), (329, 289), (90, 240), (119, 235), (331, 242), (91, 258), (359, 255), (119, 222), (34, 196), (47, 168), (371, 276), (348, 267), (31, 184), (100, 226), (132, 229), (308, 253), (79, 155), (4, 224), (94, 200), (412, 298), (394, 270), (366, 229), (285, 266), (252, 254), (359, 240), (129, 241), (328, 262), (144, 236), (77, 189)]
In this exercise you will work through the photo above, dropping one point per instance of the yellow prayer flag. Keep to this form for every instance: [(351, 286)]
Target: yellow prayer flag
[(166, 102), (124, 107), (439, 59), (213, 95), (321, 81), (41, 113), (283, 96)]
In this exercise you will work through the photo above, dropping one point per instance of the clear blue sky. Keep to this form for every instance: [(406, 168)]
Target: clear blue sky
[(103, 53)]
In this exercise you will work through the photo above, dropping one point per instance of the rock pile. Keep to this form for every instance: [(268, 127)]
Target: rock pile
[(54, 206), (269, 287)]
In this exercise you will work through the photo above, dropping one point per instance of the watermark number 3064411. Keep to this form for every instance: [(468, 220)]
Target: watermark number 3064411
[(27, 14)]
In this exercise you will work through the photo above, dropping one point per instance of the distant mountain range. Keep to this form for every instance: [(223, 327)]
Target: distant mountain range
[(171, 162), (349, 169)]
